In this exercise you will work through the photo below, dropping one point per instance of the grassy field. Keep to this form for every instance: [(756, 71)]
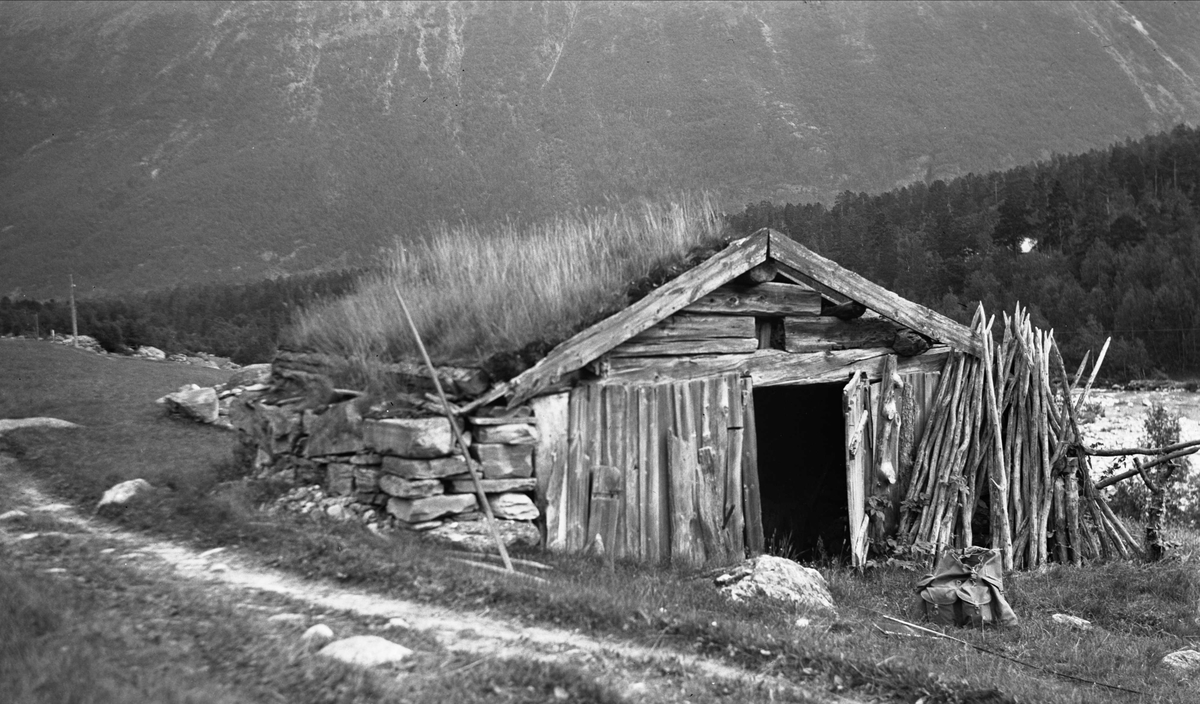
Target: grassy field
[(1140, 612)]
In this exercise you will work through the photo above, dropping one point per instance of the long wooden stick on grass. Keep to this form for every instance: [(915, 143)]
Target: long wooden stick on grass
[(462, 443), (989, 651)]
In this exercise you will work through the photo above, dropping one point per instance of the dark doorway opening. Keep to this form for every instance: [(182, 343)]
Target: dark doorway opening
[(802, 470)]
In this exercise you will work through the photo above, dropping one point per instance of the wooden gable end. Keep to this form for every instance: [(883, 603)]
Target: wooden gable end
[(736, 259), (791, 257)]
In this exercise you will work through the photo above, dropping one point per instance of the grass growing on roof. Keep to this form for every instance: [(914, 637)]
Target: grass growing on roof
[(475, 291)]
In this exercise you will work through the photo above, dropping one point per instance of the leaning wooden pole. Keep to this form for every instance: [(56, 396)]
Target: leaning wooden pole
[(1001, 531), (462, 443)]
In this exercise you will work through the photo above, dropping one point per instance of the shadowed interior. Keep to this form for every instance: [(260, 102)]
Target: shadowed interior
[(801, 468)]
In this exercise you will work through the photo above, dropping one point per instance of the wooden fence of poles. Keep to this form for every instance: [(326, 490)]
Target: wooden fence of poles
[(1002, 449)]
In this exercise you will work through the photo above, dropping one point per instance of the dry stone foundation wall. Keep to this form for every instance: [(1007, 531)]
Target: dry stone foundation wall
[(395, 460)]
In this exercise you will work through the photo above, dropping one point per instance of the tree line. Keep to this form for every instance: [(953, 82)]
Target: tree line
[(1098, 244), (239, 321)]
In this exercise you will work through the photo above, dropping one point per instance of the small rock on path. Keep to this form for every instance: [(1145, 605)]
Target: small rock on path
[(365, 651)]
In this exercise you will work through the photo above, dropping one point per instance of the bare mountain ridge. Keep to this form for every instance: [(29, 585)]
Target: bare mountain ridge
[(145, 144)]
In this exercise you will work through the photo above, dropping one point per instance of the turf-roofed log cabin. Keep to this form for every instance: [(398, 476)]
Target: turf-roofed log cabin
[(736, 404), (768, 398)]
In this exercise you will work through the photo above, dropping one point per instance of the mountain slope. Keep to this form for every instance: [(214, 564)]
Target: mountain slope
[(143, 144)]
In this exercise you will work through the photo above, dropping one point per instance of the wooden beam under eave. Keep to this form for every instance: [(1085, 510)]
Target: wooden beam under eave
[(736, 259), (771, 367), (829, 274)]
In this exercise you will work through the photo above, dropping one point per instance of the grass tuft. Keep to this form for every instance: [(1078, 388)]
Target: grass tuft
[(476, 291)]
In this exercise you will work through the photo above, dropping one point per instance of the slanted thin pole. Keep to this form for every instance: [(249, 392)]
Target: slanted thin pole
[(462, 443)]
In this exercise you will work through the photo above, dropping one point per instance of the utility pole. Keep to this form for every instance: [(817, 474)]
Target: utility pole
[(74, 324), (37, 326)]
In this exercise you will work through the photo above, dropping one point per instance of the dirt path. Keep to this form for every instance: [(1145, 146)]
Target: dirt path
[(638, 672)]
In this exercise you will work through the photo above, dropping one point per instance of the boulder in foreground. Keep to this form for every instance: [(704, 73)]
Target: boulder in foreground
[(767, 576), (198, 403)]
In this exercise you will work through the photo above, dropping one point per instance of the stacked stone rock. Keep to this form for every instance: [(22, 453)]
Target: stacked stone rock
[(409, 467), (426, 476)]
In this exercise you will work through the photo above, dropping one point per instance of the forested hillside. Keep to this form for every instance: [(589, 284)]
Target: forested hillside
[(150, 144), (240, 321), (1097, 244)]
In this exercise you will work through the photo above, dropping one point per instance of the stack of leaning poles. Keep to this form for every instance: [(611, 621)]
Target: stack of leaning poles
[(1001, 463)]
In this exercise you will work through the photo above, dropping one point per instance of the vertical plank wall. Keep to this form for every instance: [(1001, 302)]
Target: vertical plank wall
[(651, 471)]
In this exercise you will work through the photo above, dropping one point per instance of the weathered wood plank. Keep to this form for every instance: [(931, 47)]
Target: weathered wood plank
[(734, 520), (589, 344), (550, 464), (711, 461), (605, 510), (817, 334), (888, 304), (676, 348), (615, 425), (575, 517), (645, 440), (724, 387), (687, 326), (632, 510), (685, 550), (751, 498), (855, 407), (660, 479), (734, 524), (773, 367), (769, 299)]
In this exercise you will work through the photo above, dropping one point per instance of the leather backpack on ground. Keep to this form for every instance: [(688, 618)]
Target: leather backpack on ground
[(966, 588)]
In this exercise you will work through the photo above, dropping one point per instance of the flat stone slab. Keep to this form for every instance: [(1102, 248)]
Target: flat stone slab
[(504, 461), (365, 651), (464, 485), (511, 434), (429, 508), (424, 469), (513, 506), (410, 488), (420, 438)]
